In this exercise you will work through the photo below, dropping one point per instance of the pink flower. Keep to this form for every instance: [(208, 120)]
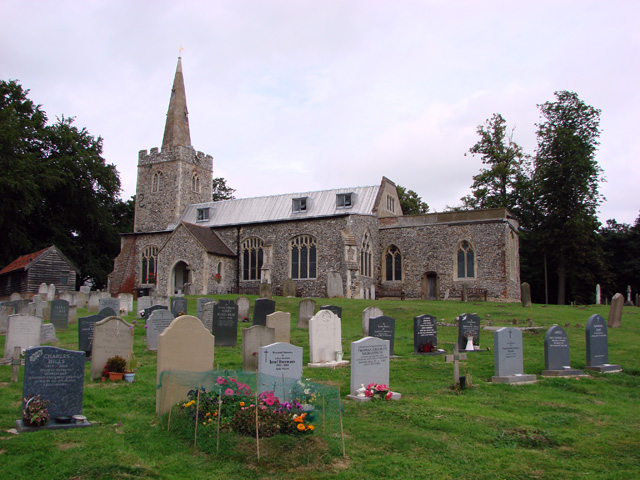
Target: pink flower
[(381, 387), (388, 396), (270, 401), (368, 393), (229, 391), (146, 326), (221, 381)]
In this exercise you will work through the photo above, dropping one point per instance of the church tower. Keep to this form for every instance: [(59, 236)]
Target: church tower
[(175, 176)]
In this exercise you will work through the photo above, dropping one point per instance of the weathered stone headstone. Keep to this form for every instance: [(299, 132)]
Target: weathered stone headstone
[(306, 310), (14, 297), (85, 289), (142, 305), (178, 306), (615, 312), (111, 336), (243, 308), (94, 298), (6, 310), (60, 314), (43, 289), (48, 334), (57, 375), (333, 309), (280, 368), (22, 331), (264, 290), (252, 339), (383, 327), (468, 327), (425, 335), (68, 296), (598, 295), (261, 309), (325, 340), (207, 315), (126, 302), (156, 324), (51, 292), (281, 323), (81, 300), (289, 288), (200, 303), (556, 354), (109, 302), (369, 364), (225, 323), (508, 358), (184, 346), (598, 346), (334, 285), (86, 326), (525, 294), (73, 314), (367, 314)]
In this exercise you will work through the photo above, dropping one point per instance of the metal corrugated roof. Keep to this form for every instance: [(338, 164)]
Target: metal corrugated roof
[(280, 207)]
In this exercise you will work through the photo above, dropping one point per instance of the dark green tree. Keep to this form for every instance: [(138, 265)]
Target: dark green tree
[(221, 191), (621, 245), (565, 196), (411, 202)]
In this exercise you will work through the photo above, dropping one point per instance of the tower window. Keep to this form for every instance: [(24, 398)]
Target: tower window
[(195, 183), (158, 182)]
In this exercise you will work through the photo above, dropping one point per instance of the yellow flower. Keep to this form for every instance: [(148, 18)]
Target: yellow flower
[(208, 414), (204, 423), (301, 427), (310, 428)]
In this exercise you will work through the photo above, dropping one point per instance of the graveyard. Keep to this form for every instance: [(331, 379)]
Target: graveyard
[(569, 426)]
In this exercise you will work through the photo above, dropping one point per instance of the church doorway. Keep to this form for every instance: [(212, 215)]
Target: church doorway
[(430, 286), (180, 275)]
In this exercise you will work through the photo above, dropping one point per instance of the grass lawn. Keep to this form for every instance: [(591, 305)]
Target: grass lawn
[(587, 428)]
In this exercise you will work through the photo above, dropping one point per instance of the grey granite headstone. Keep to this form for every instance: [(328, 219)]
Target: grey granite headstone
[(252, 339), (280, 368), (225, 323), (156, 324), (334, 285), (261, 309), (23, 331), (57, 375), (179, 306), (383, 327), (556, 354), (367, 314), (289, 288), (60, 314), (369, 364), (86, 327), (306, 310), (508, 358), (615, 312), (525, 295), (207, 315), (468, 325), (243, 309), (333, 309), (48, 334), (598, 346), (109, 302), (425, 335)]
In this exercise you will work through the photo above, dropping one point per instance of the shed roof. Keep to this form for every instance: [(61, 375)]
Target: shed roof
[(26, 261)]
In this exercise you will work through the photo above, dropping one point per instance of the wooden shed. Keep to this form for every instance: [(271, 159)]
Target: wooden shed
[(25, 274)]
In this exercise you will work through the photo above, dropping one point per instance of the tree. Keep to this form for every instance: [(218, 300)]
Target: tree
[(621, 245), (505, 181), (221, 191), (565, 186), (411, 202)]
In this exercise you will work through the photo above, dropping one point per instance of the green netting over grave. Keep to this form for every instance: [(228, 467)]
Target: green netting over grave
[(216, 411)]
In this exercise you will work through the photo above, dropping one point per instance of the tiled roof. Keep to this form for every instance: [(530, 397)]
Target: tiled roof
[(21, 262), (209, 240)]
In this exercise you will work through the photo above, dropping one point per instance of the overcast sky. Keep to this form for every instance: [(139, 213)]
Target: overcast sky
[(294, 95)]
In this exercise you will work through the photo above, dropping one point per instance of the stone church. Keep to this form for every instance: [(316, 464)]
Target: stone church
[(184, 242)]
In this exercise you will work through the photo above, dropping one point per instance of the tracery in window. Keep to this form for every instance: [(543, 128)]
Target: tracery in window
[(303, 257), (393, 264), (252, 258)]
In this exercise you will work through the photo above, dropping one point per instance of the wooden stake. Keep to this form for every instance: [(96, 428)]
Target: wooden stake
[(257, 426), (323, 414), (344, 452), (218, 434), (15, 362), (195, 430), (169, 420)]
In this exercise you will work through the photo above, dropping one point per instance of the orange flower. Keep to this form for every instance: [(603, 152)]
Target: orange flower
[(301, 427), (310, 428), (298, 419), (242, 404)]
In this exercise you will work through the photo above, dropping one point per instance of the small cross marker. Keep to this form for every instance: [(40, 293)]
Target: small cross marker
[(455, 358)]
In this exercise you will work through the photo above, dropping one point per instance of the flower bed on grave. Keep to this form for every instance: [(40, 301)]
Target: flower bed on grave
[(222, 413)]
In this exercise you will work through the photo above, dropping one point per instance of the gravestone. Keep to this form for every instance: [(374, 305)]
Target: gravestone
[(92, 303), (51, 292), (334, 285), (615, 312), (264, 290), (184, 346), (48, 334), (108, 312), (43, 289), (81, 300), (261, 309), (153, 308), (525, 294), (161, 300), (200, 303), (111, 336), (333, 309), (46, 310), (22, 331), (57, 375), (598, 295), (85, 289), (281, 323), (369, 364), (252, 339), (6, 310), (598, 346), (288, 288), (425, 335), (556, 354), (367, 314), (15, 297), (142, 305), (60, 314), (280, 369), (385, 328), (508, 358), (126, 302), (455, 359), (306, 310), (68, 296), (325, 340), (178, 306), (86, 326), (468, 327), (156, 324), (243, 308), (109, 302), (225, 323), (73, 314)]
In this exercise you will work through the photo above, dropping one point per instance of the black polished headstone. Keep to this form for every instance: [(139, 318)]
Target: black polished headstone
[(108, 312), (468, 324), (261, 309), (597, 342), (59, 314), (225, 323), (385, 328), (85, 332), (153, 308), (333, 308), (425, 334), (57, 375), (178, 306), (556, 349)]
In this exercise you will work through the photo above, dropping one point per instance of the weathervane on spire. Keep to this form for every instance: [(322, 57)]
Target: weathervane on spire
[(180, 52)]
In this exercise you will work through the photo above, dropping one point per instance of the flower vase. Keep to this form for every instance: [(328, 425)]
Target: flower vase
[(114, 376), (470, 346), (128, 377)]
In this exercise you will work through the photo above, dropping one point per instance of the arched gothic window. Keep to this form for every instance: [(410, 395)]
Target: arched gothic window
[(252, 258), (393, 264), (466, 261), (303, 257), (366, 256), (158, 182), (149, 264), (195, 183)]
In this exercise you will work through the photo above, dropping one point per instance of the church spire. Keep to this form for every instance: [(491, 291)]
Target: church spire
[(176, 130)]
